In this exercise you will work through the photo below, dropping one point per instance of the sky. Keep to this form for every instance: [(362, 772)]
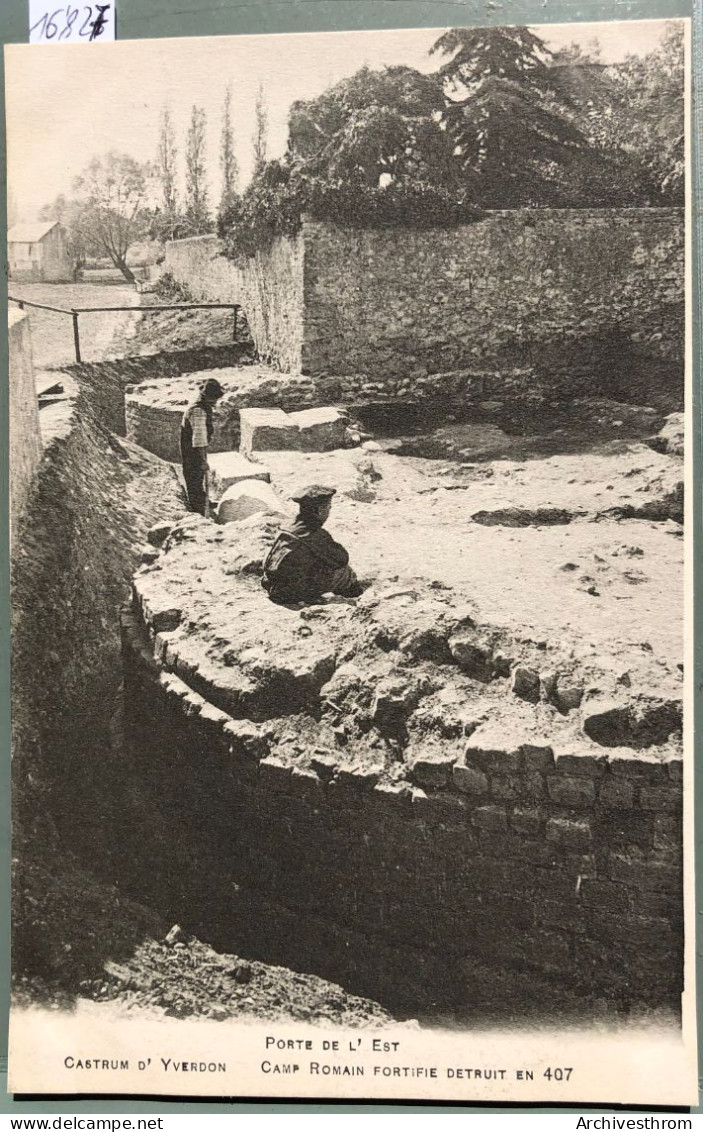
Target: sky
[(67, 103)]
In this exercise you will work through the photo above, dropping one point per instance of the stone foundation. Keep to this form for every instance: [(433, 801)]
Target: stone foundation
[(487, 866)]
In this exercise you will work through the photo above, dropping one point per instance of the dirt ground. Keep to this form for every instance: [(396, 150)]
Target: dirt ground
[(542, 542)]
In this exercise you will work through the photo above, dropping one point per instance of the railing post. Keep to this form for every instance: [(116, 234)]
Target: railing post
[(76, 336), (234, 328)]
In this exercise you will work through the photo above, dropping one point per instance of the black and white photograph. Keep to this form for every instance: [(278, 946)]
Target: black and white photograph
[(350, 418)]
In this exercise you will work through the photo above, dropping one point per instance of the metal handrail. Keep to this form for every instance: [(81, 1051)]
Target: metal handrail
[(22, 303), (152, 308)]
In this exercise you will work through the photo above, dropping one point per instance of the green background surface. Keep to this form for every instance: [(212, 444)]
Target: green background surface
[(150, 19)]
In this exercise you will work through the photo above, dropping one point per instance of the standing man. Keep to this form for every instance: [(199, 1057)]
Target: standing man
[(305, 562), (196, 434)]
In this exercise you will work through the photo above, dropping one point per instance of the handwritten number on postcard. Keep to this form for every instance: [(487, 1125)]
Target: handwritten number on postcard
[(82, 23)]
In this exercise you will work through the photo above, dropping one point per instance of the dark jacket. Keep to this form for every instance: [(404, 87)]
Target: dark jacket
[(302, 562)]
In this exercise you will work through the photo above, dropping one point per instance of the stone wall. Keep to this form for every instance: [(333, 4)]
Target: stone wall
[(526, 877), (594, 295), (536, 287), (269, 288), (25, 437)]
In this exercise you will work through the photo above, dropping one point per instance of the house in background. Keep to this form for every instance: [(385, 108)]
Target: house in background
[(37, 253)]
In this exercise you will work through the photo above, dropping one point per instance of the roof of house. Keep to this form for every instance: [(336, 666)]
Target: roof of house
[(30, 233)]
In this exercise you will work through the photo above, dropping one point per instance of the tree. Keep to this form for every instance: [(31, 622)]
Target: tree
[(648, 112), (260, 137), (576, 53), (632, 114), (374, 128), (228, 161), (108, 212), (510, 131), (196, 211), (166, 162)]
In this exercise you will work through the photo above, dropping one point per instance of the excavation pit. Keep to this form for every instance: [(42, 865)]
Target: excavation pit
[(403, 789)]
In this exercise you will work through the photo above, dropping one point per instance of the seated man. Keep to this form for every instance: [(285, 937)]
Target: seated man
[(305, 562)]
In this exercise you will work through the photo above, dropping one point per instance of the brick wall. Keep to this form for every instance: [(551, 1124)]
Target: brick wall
[(269, 288), (25, 437), (529, 287), (529, 878)]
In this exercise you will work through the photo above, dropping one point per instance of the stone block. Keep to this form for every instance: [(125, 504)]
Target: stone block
[(675, 769), (526, 821), (525, 684), (324, 764), (606, 895), (616, 794), (490, 818), (265, 430), (431, 772), (659, 904), (582, 766), (578, 793), (305, 783), (667, 832), (246, 737), (469, 780), (390, 799), (505, 788), (631, 932), (549, 951), (567, 696), (228, 468), (534, 785), (166, 620), (572, 835), (654, 874), (666, 799), (320, 430), (158, 534), (489, 750), (358, 777), (274, 774), (245, 499), (537, 758), (638, 766)]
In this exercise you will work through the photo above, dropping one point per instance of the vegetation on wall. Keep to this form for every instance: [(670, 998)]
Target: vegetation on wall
[(502, 123)]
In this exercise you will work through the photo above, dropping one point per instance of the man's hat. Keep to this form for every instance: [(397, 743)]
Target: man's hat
[(212, 388), (314, 493)]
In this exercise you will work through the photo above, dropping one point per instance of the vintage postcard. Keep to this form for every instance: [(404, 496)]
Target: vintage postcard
[(350, 385)]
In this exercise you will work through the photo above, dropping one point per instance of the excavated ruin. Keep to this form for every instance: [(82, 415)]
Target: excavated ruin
[(407, 792)]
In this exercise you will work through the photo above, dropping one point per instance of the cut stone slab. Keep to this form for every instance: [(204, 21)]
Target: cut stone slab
[(264, 430), (228, 468), (246, 498), (345, 469), (320, 430)]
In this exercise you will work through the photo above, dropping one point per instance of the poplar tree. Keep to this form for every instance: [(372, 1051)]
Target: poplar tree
[(197, 215), (167, 220), (260, 139), (228, 162)]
